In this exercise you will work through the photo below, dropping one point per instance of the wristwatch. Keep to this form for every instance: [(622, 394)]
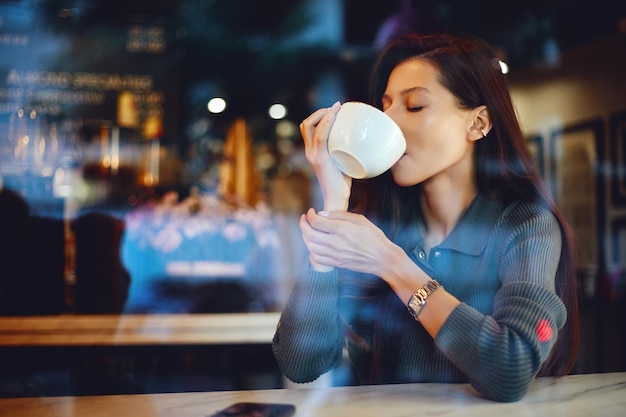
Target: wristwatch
[(418, 300)]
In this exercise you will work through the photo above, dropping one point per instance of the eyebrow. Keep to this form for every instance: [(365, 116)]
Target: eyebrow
[(409, 90)]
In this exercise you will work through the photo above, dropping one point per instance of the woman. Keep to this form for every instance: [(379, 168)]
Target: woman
[(461, 232)]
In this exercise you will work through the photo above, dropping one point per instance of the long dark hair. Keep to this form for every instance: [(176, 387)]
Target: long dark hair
[(505, 169)]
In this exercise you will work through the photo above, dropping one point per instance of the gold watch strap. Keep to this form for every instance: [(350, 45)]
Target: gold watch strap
[(418, 299)]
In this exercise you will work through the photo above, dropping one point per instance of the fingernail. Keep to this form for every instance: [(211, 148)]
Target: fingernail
[(337, 104), (323, 213)]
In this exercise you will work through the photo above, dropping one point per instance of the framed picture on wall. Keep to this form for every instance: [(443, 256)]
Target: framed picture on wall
[(576, 157), (617, 267), (535, 146), (617, 122), (618, 241)]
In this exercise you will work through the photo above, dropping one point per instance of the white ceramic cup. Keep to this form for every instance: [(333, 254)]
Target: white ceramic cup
[(364, 142)]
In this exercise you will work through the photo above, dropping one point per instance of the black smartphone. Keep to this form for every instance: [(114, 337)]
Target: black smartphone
[(257, 410)]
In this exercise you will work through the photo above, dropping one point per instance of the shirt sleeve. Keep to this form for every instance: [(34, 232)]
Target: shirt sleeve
[(502, 352), (308, 339)]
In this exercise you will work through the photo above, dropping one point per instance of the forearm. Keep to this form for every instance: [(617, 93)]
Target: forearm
[(501, 353), (308, 340), (405, 278)]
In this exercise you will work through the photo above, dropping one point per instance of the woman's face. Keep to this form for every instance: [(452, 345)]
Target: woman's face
[(438, 133)]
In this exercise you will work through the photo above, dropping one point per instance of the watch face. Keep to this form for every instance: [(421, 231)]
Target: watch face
[(414, 304), (418, 300)]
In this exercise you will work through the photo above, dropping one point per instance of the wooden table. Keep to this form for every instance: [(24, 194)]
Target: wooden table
[(596, 395), (148, 329), (129, 354)]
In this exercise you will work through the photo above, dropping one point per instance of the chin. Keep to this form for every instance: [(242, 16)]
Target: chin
[(401, 180)]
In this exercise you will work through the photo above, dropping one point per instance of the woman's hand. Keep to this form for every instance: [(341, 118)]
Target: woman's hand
[(346, 240), (334, 184)]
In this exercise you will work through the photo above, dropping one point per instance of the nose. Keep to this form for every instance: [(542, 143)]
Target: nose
[(391, 113)]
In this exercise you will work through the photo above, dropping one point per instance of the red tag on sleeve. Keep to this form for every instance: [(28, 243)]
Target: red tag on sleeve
[(544, 330)]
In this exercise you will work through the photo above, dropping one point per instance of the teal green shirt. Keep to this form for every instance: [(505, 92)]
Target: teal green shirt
[(500, 262)]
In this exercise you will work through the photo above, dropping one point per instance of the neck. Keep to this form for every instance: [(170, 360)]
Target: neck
[(442, 206)]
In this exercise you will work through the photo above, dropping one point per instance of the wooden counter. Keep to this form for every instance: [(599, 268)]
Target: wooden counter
[(145, 329)]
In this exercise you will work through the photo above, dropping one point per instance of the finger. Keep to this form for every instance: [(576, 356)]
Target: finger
[(316, 117), (305, 227), (320, 244), (315, 128), (318, 248), (321, 259), (322, 130), (328, 220), (307, 127), (319, 222), (310, 235)]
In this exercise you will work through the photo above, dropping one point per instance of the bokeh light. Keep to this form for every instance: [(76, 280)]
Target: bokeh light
[(277, 111), (216, 105)]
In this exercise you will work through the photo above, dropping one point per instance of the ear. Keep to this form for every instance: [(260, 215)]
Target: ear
[(481, 123)]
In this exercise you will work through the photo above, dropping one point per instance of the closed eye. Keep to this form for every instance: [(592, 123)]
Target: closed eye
[(415, 109)]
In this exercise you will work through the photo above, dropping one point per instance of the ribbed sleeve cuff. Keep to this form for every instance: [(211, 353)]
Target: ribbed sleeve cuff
[(307, 342)]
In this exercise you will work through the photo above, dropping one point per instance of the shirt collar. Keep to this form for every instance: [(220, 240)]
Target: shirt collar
[(471, 233)]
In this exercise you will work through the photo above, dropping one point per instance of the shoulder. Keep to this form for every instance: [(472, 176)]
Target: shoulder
[(530, 231), (528, 215)]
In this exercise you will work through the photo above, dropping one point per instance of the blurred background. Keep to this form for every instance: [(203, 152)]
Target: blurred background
[(150, 160)]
